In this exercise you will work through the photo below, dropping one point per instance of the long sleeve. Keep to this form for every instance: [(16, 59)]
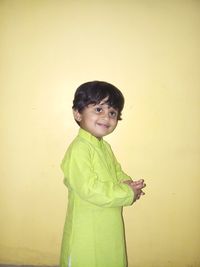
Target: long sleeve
[(89, 183)]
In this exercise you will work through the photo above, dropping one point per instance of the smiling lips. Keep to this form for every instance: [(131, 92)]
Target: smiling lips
[(103, 125)]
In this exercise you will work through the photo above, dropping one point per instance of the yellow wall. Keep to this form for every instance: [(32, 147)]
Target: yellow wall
[(150, 50)]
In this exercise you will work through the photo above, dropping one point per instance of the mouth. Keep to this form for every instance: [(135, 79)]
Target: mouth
[(103, 125)]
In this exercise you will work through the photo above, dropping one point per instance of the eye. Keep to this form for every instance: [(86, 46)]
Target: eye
[(113, 114), (98, 109)]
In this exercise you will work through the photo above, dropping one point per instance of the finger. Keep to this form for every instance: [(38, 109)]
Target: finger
[(139, 186), (140, 181), (136, 182), (142, 193), (143, 185)]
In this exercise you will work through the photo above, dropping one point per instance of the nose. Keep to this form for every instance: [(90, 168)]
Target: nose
[(105, 115)]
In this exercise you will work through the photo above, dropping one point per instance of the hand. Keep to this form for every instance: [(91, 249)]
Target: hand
[(137, 187)]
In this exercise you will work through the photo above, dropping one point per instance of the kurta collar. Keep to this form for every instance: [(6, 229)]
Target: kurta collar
[(90, 138)]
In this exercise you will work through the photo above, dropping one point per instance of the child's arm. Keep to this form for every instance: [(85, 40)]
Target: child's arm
[(136, 186), (88, 183)]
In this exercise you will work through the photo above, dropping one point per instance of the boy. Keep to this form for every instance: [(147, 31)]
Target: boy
[(97, 187)]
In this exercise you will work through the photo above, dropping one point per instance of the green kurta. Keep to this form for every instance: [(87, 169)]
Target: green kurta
[(94, 232)]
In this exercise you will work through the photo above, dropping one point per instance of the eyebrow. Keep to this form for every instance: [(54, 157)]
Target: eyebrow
[(107, 105)]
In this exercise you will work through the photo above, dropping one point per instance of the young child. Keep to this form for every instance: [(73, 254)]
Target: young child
[(97, 187)]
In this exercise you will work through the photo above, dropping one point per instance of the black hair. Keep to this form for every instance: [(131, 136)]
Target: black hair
[(94, 92)]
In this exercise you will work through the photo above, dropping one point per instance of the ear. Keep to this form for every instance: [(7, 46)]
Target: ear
[(77, 115)]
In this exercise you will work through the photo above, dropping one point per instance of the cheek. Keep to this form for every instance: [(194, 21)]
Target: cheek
[(114, 123)]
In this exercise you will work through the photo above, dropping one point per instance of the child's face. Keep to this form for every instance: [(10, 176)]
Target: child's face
[(99, 119)]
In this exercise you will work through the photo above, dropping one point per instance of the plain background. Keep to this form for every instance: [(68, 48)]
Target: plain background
[(147, 48)]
